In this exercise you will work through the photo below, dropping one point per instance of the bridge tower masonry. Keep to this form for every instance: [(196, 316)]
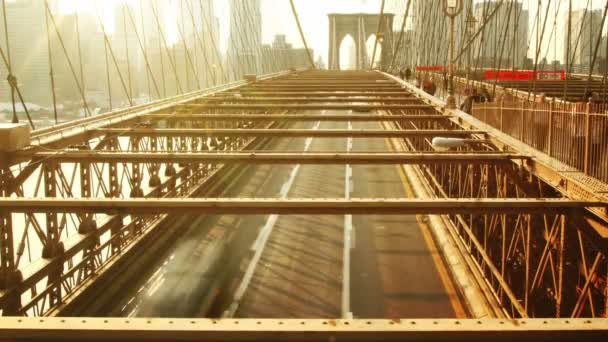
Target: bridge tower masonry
[(360, 26)]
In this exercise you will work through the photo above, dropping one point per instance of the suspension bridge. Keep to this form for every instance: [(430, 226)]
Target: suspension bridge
[(251, 194)]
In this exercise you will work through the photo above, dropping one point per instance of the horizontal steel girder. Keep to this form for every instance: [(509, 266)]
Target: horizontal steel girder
[(274, 106), (326, 158), (292, 99), (256, 329), (281, 133), (293, 206), (298, 117), (368, 93)]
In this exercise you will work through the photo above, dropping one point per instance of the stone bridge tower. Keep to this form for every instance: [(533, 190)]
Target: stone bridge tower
[(360, 26)]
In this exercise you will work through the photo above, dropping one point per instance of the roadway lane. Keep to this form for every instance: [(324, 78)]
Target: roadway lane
[(294, 266), (184, 282), (300, 270), (395, 271)]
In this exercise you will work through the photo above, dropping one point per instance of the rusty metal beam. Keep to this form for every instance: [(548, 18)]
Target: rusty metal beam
[(282, 133), (319, 106), (58, 132), (292, 206), (253, 157), (298, 117), (321, 85), (571, 184), (207, 329), (370, 93), (292, 99)]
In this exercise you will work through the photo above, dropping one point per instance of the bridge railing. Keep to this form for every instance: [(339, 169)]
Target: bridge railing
[(573, 133)]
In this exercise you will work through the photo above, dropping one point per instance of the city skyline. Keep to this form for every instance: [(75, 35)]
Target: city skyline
[(212, 22)]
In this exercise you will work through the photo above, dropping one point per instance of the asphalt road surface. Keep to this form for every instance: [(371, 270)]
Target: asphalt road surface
[(302, 266)]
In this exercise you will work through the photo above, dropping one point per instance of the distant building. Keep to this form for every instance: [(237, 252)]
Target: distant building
[(91, 54), (127, 51), (504, 41), (29, 52), (405, 52), (200, 28), (585, 30), (282, 56), (244, 48)]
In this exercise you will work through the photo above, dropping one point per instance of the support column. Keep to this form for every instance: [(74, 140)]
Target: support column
[(88, 225), (53, 248), (10, 276), (331, 61), (358, 44)]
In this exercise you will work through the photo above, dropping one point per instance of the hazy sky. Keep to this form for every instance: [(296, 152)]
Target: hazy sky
[(277, 18)]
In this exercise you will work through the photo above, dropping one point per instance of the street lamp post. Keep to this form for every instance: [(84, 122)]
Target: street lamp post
[(451, 8)]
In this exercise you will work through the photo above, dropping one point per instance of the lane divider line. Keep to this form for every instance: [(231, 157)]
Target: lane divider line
[(348, 235), (442, 270), (263, 236)]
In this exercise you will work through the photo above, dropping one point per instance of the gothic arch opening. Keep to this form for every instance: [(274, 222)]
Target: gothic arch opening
[(369, 48), (348, 53)]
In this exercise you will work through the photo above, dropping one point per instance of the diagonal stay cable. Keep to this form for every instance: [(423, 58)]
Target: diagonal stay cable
[(67, 57), (295, 16), (371, 64), (401, 34)]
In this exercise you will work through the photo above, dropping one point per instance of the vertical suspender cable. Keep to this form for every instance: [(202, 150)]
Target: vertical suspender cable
[(51, 71), (398, 46), (124, 29), (144, 53), (160, 56), (144, 45), (568, 42), (539, 43), (214, 43), (596, 48), (67, 56), (10, 63), (105, 49), (12, 80), (82, 80), (163, 40)]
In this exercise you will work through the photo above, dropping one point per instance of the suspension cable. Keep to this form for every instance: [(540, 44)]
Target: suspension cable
[(143, 50), (371, 65), (12, 80), (401, 34), (479, 31), (126, 41), (295, 16), (67, 56), (596, 49), (163, 40), (113, 56), (51, 69), (82, 80)]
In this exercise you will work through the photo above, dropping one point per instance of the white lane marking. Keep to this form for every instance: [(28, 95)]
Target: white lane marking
[(348, 235), (260, 242)]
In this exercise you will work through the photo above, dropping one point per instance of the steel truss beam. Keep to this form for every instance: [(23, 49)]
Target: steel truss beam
[(292, 99), (191, 329), (333, 94), (298, 117), (283, 133), (313, 86), (273, 106), (525, 257), (276, 158), (266, 206)]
